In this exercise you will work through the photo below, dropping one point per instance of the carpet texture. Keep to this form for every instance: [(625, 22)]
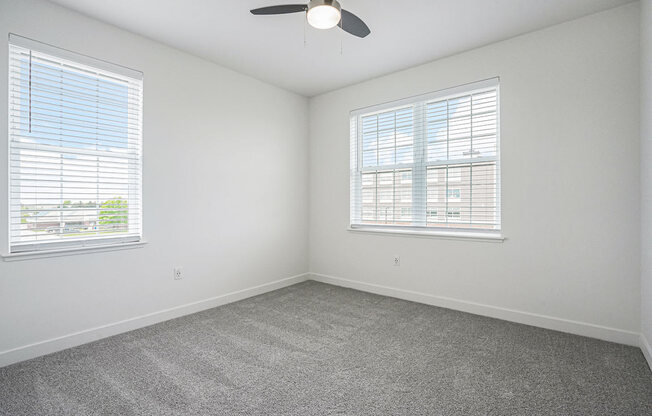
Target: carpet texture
[(316, 349)]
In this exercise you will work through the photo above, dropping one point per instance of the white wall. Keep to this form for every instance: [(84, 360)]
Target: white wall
[(646, 177), (570, 187), (225, 190)]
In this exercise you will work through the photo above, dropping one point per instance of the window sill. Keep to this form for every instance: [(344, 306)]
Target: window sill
[(28, 255), (447, 235)]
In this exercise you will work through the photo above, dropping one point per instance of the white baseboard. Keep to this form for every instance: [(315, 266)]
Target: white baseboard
[(647, 350), (93, 334), (558, 324), (82, 337)]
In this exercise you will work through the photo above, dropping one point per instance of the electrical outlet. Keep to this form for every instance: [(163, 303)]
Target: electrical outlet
[(397, 261), (177, 273)]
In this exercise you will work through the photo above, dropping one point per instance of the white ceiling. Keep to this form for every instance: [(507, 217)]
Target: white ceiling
[(404, 33)]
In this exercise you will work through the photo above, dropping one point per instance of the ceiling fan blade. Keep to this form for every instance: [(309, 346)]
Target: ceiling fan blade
[(353, 24), (281, 9)]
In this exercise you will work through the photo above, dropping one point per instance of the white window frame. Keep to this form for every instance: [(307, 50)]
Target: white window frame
[(20, 251), (356, 167)]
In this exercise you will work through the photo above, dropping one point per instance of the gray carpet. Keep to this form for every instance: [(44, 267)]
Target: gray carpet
[(315, 349)]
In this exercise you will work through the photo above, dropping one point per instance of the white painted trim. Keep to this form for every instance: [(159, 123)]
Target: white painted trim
[(646, 348), (447, 235), (93, 334), (558, 324), (69, 251)]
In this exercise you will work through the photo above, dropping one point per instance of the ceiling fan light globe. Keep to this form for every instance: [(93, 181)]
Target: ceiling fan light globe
[(323, 14)]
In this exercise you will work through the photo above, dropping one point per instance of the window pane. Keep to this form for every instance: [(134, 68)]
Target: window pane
[(436, 196), (463, 127), (470, 196), (387, 197), (369, 197), (485, 196), (388, 138), (403, 197)]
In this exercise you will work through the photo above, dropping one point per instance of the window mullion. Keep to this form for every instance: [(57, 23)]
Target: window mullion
[(447, 159), (471, 168), (419, 170), (356, 168), (394, 176)]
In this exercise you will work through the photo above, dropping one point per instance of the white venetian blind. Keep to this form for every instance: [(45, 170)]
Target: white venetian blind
[(75, 149), (428, 162)]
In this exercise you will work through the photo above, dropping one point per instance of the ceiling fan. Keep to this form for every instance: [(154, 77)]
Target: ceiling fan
[(322, 14)]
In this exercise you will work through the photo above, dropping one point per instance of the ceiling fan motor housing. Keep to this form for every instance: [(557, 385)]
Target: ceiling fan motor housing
[(333, 3), (324, 14)]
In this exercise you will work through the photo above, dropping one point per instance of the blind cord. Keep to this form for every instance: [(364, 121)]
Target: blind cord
[(30, 91)]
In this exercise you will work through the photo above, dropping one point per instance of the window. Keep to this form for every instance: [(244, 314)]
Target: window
[(454, 195), (428, 163), (453, 214), (75, 149)]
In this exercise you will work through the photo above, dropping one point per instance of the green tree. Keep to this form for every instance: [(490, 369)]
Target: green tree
[(113, 214)]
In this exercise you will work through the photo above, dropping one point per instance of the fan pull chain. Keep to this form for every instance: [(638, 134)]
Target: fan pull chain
[(341, 33)]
